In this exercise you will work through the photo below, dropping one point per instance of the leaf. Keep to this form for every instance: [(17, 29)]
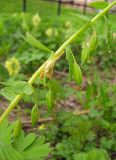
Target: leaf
[(12, 88), (69, 57), (81, 17), (54, 85), (28, 140), (93, 154), (81, 156), (26, 147), (8, 95), (34, 115), (28, 89), (50, 100), (6, 131), (34, 42), (37, 153), (17, 128), (77, 74), (37, 143), (99, 4), (7, 152), (94, 113)]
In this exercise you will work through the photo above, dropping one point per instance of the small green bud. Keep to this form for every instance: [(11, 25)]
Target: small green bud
[(85, 53), (50, 100), (77, 74), (17, 128), (34, 115)]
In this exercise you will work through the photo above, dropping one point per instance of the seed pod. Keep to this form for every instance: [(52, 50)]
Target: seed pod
[(84, 54), (70, 59), (92, 42), (17, 128), (77, 74), (50, 100), (34, 115)]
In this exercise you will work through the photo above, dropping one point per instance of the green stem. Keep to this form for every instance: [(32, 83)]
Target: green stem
[(55, 57)]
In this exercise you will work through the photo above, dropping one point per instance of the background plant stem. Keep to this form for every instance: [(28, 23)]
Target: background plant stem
[(55, 57)]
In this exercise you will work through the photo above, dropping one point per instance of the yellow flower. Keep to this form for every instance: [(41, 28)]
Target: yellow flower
[(67, 24), (56, 33), (42, 127), (49, 32), (13, 66), (36, 20)]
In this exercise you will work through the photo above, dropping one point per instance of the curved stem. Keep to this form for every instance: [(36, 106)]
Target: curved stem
[(55, 57)]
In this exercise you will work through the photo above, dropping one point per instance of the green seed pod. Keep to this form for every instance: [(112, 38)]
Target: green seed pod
[(50, 100), (34, 115), (17, 128), (85, 53), (92, 42), (77, 74)]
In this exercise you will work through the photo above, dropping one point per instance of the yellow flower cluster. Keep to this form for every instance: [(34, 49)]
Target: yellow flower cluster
[(49, 32), (13, 66), (42, 127), (67, 24), (36, 20)]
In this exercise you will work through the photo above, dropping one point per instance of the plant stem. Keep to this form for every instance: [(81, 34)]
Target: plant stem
[(55, 57)]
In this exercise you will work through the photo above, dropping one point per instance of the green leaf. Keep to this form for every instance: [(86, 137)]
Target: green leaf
[(12, 88), (37, 143), (94, 113), (81, 17), (77, 74), (6, 131), (28, 140), (93, 154), (69, 57), (26, 147), (99, 4), (7, 152), (37, 153), (54, 85), (7, 94), (34, 115), (34, 42), (50, 100), (81, 156), (28, 89)]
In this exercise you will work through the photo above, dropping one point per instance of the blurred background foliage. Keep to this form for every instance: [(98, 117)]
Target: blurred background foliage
[(69, 134)]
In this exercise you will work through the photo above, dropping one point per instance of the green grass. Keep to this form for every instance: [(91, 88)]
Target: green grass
[(33, 6)]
